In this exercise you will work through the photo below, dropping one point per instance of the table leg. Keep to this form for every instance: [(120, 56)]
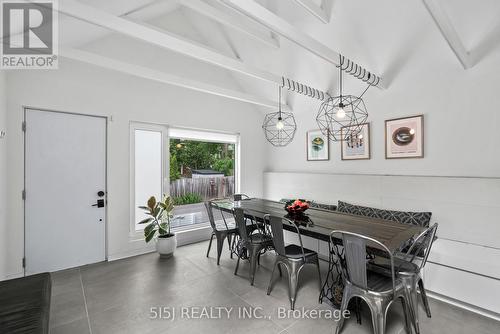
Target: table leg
[(333, 286)]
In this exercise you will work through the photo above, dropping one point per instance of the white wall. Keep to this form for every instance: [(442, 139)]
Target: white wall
[(3, 175), (80, 88)]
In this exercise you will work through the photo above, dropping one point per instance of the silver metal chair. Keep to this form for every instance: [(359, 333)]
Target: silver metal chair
[(409, 267), (251, 244), (220, 229), (377, 290), (292, 257), (239, 197)]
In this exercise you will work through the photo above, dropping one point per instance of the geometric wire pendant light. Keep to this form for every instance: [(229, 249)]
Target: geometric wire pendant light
[(279, 127), (341, 117)]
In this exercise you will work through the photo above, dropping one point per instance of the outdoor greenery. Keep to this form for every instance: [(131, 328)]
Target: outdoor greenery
[(190, 198), (186, 155), (160, 215)]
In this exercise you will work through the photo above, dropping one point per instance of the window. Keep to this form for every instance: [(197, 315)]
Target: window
[(203, 166), (190, 165), (147, 166)]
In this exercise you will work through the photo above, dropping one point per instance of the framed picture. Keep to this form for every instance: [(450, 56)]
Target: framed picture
[(404, 137), (356, 148), (318, 146)]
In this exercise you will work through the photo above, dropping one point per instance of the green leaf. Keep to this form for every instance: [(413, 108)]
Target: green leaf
[(145, 221), (156, 212), (149, 228), (162, 231), (152, 203), (144, 208), (150, 235)]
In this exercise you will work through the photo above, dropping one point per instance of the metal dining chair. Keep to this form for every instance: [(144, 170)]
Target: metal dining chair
[(239, 197), (251, 244), (292, 257), (220, 229), (377, 290), (409, 267)]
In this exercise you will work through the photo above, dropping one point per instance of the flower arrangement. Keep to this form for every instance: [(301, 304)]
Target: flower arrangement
[(297, 206)]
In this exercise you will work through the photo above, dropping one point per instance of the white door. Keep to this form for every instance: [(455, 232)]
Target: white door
[(65, 176)]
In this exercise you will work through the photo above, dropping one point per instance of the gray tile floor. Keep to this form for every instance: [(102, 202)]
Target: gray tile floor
[(117, 297)]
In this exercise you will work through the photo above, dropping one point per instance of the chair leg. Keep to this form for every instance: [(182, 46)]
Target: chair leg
[(254, 254), (270, 286), (237, 266), (412, 295), (319, 275), (220, 245), (423, 294), (210, 244), (293, 283), (343, 307), (357, 310), (234, 242), (406, 310), (229, 238), (378, 319), (279, 269)]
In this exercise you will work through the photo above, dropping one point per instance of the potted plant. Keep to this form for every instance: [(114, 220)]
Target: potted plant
[(160, 216)]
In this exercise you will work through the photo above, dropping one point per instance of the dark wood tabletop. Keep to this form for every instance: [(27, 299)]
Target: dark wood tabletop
[(319, 223)]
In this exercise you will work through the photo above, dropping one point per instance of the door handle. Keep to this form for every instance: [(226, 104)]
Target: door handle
[(99, 204)]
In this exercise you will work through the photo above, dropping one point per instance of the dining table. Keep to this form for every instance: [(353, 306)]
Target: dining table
[(319, 223)]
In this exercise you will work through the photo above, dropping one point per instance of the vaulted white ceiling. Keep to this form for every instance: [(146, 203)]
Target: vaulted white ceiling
[(379, 35)]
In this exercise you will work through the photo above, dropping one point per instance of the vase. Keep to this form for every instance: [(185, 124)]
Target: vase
[(166, 245)]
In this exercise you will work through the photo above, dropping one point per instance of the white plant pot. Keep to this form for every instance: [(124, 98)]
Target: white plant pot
[(166, 246)]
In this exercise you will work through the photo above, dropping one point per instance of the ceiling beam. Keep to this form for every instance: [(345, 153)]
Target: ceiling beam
[(231, 21), (166, 78), (265, 17), (449, 33), (322, 12), (162, 39)]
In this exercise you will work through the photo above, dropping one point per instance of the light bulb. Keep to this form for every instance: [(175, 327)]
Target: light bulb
[(280, 125), (341, 111), (412, 131)]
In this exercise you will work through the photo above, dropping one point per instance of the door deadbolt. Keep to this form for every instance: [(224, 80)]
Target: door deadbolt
[(99, 204)]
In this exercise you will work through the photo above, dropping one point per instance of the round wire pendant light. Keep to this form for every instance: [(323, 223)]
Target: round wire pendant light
[(342, 117), (279, 127)]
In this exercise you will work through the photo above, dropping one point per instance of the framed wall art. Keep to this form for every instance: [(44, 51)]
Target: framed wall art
[(356, 147), (404, 137), (318, 146)]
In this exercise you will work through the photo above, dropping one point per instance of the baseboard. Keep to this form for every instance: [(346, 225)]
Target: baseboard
[(12, 276), (183, 238), (463, 305), (124, 255), (194, 235)]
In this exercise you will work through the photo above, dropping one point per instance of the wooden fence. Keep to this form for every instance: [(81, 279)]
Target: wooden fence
[(207, 188)]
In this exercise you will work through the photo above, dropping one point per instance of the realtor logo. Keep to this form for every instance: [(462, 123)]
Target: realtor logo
[(29, 32)]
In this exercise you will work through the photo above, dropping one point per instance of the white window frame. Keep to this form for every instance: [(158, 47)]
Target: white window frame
[(133, 233)]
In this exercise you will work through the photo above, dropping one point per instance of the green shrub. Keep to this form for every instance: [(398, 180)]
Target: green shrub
[(190, 198), (225, 166)]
